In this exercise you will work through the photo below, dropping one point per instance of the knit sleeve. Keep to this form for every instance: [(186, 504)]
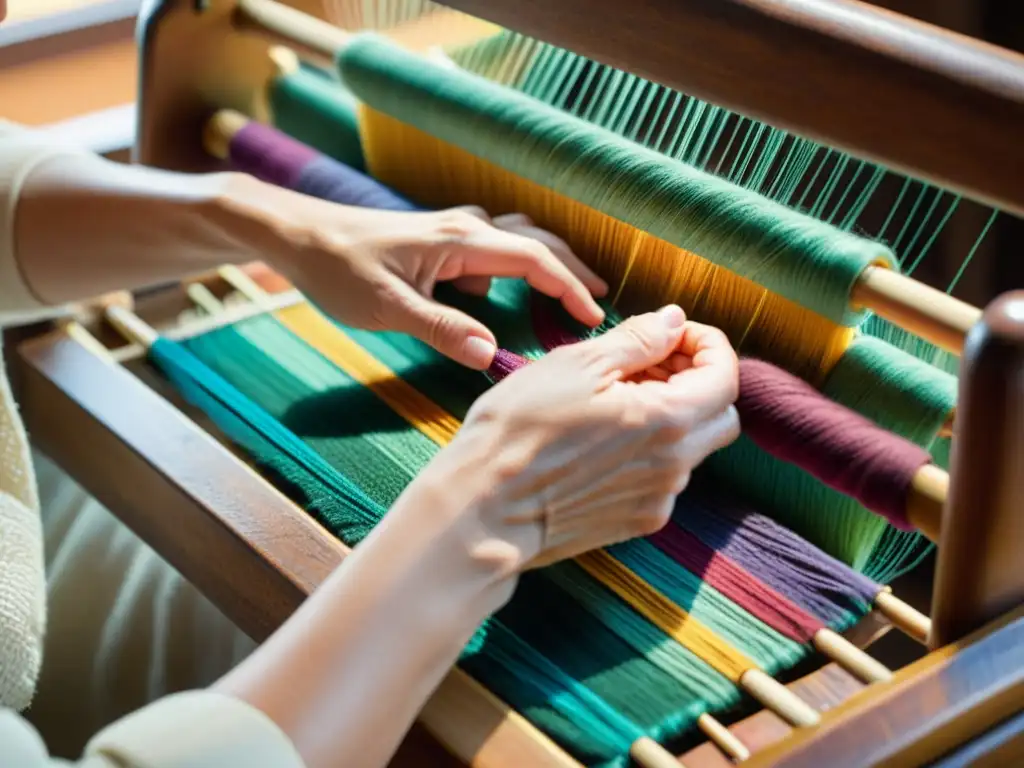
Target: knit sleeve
[(198, 729), (21, 150)]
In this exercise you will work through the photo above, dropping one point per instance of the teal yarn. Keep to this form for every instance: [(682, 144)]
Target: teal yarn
[(338, 503), (361, 439), (793, 255), (769, 649), (313, 108)]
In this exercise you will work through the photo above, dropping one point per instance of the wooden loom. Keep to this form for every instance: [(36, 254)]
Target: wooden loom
[(128, 439)]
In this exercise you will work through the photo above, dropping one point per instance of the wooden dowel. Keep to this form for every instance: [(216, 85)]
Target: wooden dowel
[(650, 754), (850, 657), (203, 298), (131, 326), (723, 738), (904, 617), (924, 311), (906, 85), (779, 699), (241, 282), (311, 37), (926, 500)]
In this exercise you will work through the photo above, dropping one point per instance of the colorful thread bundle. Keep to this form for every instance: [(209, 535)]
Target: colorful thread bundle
[(794, 256), (334, 181), (595, 640), (590, 660)]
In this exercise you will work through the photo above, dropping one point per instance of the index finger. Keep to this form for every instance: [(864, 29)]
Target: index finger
[(492, 252)]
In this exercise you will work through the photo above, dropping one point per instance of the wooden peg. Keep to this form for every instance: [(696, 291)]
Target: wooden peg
[(978, 572), (220, 130), (850, 657), (309, 36), (924, 311), (779, 699), (648, 753), (903, 616), (203, 298), (723, 738), (131, 326)]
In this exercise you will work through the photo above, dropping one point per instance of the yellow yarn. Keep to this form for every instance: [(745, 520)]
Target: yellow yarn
[(666, 615), (644, 271), (421, 412), (334, 344)]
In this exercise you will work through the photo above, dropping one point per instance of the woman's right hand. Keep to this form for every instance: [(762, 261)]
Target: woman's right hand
[(576, 451), (581, 449)]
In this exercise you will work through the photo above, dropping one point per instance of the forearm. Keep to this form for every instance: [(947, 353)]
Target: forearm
[(84, 226), (348, 673)]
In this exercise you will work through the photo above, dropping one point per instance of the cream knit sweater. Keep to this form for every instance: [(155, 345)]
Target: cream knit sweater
[(126, 621)]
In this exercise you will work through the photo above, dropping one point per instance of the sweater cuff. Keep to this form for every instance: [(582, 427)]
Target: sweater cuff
[(197, 728), (20, 154)]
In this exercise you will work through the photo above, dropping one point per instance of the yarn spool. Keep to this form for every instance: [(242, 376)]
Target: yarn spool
[(794, 422), (793, 255)]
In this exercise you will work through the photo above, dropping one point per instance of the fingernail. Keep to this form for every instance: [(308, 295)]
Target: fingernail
[(478, 352), (673, 316)]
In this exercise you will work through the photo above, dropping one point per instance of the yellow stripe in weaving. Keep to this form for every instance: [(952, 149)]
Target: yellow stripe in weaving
[(666, 615), (334, 344), (308, 324), (644, 271)]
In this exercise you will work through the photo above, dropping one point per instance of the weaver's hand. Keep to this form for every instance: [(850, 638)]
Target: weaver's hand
[(580, 449), (377, 270)]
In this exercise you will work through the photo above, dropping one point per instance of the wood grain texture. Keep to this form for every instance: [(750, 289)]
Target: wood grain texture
[(257, 555), (978, 571), (917, 98), (249, 549), (947, 699)]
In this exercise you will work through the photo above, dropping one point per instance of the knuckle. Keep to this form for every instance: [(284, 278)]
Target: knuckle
[(440, 330), (654, 516), (459, 223)]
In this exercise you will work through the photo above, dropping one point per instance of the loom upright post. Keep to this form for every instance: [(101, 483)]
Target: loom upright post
[(979, 574)]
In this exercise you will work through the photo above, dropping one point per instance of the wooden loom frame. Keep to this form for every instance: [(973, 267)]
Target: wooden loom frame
[(257, 556)]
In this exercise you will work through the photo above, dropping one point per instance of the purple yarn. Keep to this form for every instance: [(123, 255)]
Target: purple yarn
[(328, 179), (269, 155), (817, 582), (504, 364)]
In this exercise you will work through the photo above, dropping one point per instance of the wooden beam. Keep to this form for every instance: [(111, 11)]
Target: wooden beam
[(914, 97)]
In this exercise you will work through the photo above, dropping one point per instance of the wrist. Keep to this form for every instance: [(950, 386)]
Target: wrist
[(273, 223), (469, 558)]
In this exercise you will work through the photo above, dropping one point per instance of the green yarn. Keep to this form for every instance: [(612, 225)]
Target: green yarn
[(350, 515), (769, 649), (796, 256), (893, 388), (313, 108), (602, 644)]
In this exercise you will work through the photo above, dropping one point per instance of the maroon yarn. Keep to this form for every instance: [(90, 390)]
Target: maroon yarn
[(754, 596), (788, 418), (504, 364), (270, 155)]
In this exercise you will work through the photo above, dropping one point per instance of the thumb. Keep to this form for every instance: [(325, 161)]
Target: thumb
[(449, 331), (641, 342)]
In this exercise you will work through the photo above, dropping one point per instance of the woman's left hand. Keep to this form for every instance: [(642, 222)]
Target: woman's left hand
[(377, 270)]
